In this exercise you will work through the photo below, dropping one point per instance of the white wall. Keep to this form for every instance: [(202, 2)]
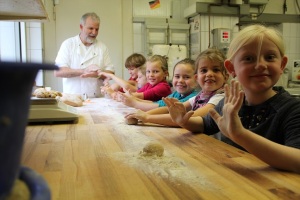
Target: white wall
[(122, 40)]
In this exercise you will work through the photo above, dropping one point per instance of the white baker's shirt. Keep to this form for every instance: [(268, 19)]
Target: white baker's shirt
[(76, 55)]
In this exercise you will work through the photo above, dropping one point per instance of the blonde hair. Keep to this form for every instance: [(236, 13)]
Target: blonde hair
[(160, 59), (252, 33), (142, 69), (212, 54)]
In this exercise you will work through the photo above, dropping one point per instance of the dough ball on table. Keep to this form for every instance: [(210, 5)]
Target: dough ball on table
[(71, 99), (153, 149), (131, 121)]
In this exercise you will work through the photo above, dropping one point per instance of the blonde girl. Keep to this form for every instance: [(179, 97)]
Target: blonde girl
[(262, 119), (156, 86)]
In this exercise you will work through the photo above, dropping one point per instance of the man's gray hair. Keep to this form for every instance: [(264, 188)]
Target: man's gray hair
[(93, 15)]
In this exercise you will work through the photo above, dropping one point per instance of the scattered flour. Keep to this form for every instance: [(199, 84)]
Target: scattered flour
[(133, 141)]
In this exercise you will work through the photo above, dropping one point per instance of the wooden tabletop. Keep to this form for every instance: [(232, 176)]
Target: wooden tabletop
[(100, 158)]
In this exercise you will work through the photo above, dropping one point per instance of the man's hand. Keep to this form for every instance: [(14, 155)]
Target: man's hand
[(90, 71)]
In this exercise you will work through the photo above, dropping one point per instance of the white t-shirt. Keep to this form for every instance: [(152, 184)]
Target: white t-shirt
[(74, 54), (213, 100)]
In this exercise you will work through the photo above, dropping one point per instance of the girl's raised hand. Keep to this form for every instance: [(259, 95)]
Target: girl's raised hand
[(177, 111), (230, 124)]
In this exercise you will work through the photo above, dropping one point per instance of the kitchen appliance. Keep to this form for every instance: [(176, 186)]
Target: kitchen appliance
[(221, 39), (50, 110), (174, 53)]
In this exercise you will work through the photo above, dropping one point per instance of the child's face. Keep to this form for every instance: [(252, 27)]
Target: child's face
[(133, 71), (141, 79), (257, 69), (209, 75), (184, 79), (155, 73)]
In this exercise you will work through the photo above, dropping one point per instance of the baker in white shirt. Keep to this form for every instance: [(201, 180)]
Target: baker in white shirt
[(82, 57)]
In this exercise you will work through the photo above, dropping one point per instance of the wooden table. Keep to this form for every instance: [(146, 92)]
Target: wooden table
[(99, 158)]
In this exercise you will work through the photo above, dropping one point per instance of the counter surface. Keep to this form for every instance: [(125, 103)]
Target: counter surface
[(100, 158)]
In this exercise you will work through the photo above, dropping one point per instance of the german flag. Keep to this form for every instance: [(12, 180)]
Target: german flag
[(154, 4)]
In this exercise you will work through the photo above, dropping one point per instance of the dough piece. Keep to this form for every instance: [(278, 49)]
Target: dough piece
[(131, 121), (43, 93), (71, 99), (153, 149), (40, 92)]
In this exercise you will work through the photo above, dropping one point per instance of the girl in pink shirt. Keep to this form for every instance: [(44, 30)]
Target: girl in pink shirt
[(157, 86)]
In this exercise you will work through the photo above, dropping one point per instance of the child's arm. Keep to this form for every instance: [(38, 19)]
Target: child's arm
[(202, 111), (139, 95), (163, 119), (132, 101), (108, 91), (124, 84), (161, 115), (159, 110), (154, 93), (276, 155)]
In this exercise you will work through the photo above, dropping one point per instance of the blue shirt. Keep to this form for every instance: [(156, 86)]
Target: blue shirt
[(178, 96)]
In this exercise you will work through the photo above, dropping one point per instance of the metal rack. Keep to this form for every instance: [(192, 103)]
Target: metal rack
[(167, 32)]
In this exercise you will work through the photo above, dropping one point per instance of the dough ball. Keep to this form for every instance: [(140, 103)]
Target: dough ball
[(153, 149), (131, 121), (71, 99)]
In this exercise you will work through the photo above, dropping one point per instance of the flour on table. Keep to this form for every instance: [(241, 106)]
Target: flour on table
[(133, 142)]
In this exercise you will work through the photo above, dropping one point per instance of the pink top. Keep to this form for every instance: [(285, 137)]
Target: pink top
[(156, 92)]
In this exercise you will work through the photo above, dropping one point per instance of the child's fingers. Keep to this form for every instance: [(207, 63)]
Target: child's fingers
[(179, 105), (214, 114), (167, 101), (227, 93), (188, 115)]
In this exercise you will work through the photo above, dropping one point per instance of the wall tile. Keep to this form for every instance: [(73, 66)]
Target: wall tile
[(293, 30), (285, 26), (287, 44)]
